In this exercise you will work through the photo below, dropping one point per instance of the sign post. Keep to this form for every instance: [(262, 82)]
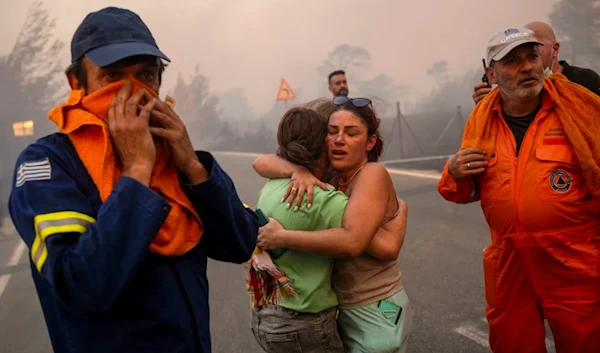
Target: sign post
[(285, 93)]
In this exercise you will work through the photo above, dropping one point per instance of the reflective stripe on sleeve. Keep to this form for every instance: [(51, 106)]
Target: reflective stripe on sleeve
[(55, 223)]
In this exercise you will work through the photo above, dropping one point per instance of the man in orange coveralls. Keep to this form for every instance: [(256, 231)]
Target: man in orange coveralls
[(528, 154)]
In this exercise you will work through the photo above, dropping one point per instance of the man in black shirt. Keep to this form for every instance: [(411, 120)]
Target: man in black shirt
[(585, 77), (549, 52)]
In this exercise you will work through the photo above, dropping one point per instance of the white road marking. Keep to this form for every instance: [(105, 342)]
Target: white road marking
[(17, 254), (14, 259), (480, 337), (550, 346), (473, 334), (3, 283)]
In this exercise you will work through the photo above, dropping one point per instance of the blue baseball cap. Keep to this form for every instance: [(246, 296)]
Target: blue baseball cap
[(112, 34)]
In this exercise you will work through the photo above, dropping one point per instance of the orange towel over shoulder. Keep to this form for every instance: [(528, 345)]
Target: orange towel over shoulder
[(578, 110), (82, 118)]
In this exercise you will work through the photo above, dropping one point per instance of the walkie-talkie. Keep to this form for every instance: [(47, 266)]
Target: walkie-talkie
[(484, 78), (263, 220)]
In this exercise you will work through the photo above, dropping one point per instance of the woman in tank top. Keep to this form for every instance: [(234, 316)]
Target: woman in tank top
[(374, 310)]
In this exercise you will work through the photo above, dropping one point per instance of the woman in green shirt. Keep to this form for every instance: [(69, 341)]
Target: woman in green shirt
[(306, 322)]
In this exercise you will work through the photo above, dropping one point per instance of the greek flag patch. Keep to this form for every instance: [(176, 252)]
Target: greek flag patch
[(30, 171)]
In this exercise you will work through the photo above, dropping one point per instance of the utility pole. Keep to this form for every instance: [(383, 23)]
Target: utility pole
[(400, 118), (458, 117)]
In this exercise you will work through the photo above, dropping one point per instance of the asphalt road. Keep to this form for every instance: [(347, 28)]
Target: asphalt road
[(441, 264)]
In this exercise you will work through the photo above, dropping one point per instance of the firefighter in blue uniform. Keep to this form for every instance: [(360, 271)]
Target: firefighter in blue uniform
[(100, 288)]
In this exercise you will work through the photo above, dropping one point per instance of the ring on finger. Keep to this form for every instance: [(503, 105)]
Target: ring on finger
[(469, 165), (294, 189)]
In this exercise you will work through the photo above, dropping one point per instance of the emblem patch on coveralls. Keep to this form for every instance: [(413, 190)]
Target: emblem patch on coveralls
[(560, 181)]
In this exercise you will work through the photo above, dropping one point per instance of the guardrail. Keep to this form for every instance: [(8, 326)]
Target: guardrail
[(418, 159)]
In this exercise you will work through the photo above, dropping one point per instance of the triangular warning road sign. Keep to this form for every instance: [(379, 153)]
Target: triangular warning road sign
[(285, 92)]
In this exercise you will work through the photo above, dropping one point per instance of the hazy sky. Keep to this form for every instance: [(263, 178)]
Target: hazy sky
[(252, 44)]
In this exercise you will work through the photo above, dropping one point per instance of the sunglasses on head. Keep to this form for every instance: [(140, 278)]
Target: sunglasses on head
[(357, 102)]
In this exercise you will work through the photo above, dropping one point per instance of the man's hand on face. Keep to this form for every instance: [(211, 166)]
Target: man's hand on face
[(467, 163), (480, 91), (130, 132), (172, 129)]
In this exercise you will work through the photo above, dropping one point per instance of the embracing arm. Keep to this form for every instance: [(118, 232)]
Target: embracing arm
[(388, 240), (362, 219), (303, 181), (272, 166)]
